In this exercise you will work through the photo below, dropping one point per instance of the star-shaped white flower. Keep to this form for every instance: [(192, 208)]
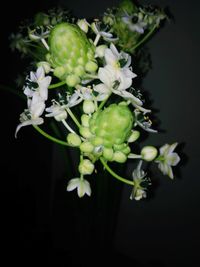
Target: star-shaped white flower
[(167, 158), (82, 185), (57, 111), (139, 175), (41, 81), (31, 116)]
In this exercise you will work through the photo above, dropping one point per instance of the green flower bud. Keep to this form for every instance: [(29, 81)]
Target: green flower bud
[(85, 132), (85, 120), (72, 80), (108, 153), (134, 136), (91, 66), (86, 147), (61, 116), (73, 139), (149, 153), (46, 66), (100, 51), (86, 167), (97, 141), (88, 106), (119, 157), (83, 25)]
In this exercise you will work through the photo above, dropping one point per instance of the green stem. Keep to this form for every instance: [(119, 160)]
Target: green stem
[(114, 174), (145, 38), (73, 117), (56, 140), (52, 86), (103, 102)]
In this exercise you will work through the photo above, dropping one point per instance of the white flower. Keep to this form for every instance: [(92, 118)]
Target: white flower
[(139, 175), (167, 158), (83, 25), (57, 111), (40, 82), (31, 116), (106, 35), (138, 26), (80, 94), (82, 185)]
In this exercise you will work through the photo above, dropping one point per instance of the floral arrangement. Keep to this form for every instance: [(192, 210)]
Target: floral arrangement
[(82, 77)]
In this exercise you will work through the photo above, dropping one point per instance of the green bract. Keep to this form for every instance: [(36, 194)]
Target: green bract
[(113, 124), (71, 53)]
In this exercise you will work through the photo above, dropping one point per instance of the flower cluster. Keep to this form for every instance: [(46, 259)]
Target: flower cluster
[(84, 74)]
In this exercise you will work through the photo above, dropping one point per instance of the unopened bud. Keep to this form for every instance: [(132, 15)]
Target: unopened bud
[(100, 51), (119, 157), (149, 153), (83, 24), (108, 153), (73, 139), (85, 132), (85, 120), (61, 116), (134, 136), (91, 66), (86, 167), (86, 147), (88, 106), (46, 66)]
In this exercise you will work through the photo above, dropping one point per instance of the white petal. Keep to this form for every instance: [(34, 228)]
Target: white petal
[(101, 88), (40, 74), (114, 51), (170, 172), (73, 183), (110, 57), (37, 121), (106, 77), (87, 188), (173, 159), (172, 147), (163, 149)]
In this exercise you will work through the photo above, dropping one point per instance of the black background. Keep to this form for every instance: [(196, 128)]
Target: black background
[(42, 224)]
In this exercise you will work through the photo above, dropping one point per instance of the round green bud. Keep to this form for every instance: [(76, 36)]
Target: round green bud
[(85, 132), (91, 66), (134, 136), (100, 51), (97, 141), (126, 150), (61, 116), (72, 80), (149, 153), (46, 66), (86, 147), (86, 167), (119, 157), (83, 25), (59, 72), (88, 106), (73, 139), (108, 153), (85, 120), (79, 70)]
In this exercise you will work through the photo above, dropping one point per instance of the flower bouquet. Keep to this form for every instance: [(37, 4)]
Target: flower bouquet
[(82, 77)]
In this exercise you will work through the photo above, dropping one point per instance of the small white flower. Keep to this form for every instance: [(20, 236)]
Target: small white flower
[(57, 111), (82, 185), (80, 94), (139, 26), (41, 82), (83, 25), (106, 35), (139, 175), (167, 158), (31, 116)]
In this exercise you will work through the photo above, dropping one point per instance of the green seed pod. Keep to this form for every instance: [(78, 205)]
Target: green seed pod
[(86, 167), (71, 50), (73, 139), (113, 124)]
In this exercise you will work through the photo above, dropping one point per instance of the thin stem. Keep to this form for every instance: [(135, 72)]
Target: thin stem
[(67, 126), (45, 43), (103, 102), (134, 156), (114, 174), (97, 39), (52, 86), (73, 117), (145, 38), (56, 140)]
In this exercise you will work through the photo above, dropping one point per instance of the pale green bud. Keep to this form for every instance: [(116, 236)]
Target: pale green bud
[(86, 167), (46, 66), (85, 132), (149, 153), (108, 153), (97, 141), (59, 72), (61, 116), (83, 25), (134, 136), (100, 51), (119, 157), (85, 120), (91, 66), (73, 139), (86, 147), (88, 106), (72, 80)]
